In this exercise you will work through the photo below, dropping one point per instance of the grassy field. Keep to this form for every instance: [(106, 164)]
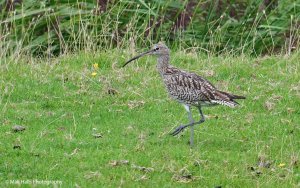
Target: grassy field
[(104, 126)]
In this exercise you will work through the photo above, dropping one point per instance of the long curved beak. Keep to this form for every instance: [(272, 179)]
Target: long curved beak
[(136, 57)]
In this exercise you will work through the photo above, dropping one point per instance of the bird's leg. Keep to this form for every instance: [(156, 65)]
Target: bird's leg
[(202, 116), (182, 127), (192, 122)]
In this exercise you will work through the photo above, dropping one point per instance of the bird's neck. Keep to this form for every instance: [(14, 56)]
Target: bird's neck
[(163, 63)]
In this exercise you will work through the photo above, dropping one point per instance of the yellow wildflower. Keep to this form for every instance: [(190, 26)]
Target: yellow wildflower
[(94, 73), (281, 165), (95, 65)]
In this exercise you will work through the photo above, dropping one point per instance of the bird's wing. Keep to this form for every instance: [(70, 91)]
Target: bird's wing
[(190, 83), (197, 86), (214, 95), (206, 88)]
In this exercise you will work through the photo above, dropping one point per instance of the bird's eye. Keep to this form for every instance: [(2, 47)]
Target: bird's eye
[(156, 48)]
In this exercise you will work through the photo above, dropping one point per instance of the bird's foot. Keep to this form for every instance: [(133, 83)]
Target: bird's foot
[(178, 130)]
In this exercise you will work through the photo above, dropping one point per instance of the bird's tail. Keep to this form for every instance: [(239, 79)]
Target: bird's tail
[(227, 99)]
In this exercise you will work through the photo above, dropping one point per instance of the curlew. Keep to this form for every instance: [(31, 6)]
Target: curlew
[(187, 88)]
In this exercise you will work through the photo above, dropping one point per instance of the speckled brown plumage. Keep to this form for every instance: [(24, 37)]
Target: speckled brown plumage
[(191, 89), (188, 88)]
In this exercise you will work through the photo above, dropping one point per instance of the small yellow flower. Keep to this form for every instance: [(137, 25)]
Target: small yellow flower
[(94, 73), (95, 65), (281, 165)]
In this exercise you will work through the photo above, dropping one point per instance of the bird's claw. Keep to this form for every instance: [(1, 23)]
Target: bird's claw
[(178, 130)]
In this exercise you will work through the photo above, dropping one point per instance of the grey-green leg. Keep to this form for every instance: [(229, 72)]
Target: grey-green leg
[(191, 124)]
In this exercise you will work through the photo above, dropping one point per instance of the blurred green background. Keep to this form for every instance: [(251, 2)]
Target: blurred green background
[(53, 27)]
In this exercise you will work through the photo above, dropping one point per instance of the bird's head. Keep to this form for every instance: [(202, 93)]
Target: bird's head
[(159, 49)]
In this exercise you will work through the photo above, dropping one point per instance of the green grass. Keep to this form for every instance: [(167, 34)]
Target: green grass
[(62, 105), (47, 28)]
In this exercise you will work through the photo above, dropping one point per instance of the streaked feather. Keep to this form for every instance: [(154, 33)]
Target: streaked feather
[(192, 89)]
